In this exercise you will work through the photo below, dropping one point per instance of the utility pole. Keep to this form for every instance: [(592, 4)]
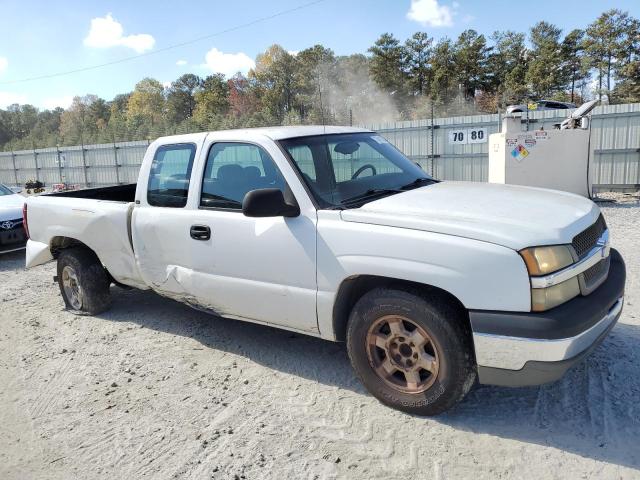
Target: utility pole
[(432, 139), (15, 168)]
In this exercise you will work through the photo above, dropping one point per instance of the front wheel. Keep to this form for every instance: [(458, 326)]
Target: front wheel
[(411, 351), (84, 283)]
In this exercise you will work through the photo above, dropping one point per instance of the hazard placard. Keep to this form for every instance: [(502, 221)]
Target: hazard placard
[(520, 153)]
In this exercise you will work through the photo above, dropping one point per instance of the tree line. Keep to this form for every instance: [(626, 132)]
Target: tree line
[(394, 80)]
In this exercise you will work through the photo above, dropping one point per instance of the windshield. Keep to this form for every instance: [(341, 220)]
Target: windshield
[(5, 191), (348, 170)]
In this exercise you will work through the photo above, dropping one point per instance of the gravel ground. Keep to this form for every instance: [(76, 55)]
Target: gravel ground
[(154, 389)]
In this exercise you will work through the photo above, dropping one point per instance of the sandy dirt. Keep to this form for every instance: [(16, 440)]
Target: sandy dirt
[(154, 389)]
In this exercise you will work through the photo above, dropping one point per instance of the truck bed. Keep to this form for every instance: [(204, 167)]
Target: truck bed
[(98, 218), (117, 193)]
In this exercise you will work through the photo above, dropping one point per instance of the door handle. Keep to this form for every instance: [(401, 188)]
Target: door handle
[(200, 232)]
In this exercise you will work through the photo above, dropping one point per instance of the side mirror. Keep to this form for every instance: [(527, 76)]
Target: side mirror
[(268, 202)]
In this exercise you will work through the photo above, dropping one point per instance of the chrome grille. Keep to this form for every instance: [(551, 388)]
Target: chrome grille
[(587, 239), (594, 276), (11, 234)]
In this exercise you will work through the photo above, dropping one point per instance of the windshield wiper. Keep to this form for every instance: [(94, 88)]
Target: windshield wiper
[(371, 193), (378, 192), (418, 182)]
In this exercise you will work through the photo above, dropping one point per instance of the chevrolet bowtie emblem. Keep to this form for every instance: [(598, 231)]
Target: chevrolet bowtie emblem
[(603, 243)]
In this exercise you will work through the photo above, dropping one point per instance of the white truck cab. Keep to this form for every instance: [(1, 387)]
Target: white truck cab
[(332, 232)]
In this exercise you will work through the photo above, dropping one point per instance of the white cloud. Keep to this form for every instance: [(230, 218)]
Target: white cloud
[(53, 102), (4, 64), (106, 32), (228, 63), (166, 84), (293, 52), (468, 19), (181, 63), (9, 98), (431, 14)]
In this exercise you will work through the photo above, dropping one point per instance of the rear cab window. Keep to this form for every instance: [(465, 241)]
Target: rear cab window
[(170, 174)]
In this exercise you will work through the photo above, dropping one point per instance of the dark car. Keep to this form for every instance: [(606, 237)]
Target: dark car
[(541, 105)]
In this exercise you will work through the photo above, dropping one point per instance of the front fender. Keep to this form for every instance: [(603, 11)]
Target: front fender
[(481, 275)]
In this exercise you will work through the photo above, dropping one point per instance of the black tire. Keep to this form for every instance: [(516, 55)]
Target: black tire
[(450, 340), (92, 282)]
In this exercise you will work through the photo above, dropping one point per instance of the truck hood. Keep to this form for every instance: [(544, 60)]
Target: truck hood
[(512, 216), (11, 207)]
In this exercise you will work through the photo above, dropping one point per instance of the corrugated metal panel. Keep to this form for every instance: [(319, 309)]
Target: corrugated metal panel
[(7, 170), (129, 173), (615, 139)]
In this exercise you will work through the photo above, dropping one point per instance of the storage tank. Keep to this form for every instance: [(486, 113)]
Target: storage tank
[(557, 158)]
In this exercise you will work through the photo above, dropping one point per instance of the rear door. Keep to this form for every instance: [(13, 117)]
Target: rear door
[(162, 217)]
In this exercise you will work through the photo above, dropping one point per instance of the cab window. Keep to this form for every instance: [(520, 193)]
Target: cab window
[(169, 176), (232, 170)]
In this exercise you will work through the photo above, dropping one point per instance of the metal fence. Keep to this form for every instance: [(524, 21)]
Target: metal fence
[(615, 140), (88, 165)]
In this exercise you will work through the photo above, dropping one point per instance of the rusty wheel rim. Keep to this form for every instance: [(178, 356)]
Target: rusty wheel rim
[(402, 354), (71, 287)]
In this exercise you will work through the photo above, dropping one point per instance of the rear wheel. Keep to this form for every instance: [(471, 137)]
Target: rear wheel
[(411, 352), (84, 283)]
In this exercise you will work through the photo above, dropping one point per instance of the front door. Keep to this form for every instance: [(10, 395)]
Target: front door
[(260, 269)]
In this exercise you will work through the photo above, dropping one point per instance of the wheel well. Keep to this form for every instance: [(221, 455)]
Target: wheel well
[(60, 243), (352, 289)]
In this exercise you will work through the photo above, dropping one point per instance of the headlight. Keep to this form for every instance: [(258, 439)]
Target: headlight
[(544, 260), (547, 298)]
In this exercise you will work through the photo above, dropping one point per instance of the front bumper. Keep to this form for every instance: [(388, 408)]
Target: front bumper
[(12, 236), (519, 349)]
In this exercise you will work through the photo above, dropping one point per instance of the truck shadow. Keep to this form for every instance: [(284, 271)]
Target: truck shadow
[(594, 411)]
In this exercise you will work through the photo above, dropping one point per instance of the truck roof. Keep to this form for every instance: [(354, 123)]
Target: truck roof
[(275, 133)]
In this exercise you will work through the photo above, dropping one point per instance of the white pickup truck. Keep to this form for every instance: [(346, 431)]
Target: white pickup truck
[(332, 232)]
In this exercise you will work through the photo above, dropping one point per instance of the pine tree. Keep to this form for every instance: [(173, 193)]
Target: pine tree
[(417, 62), (575, 68), (544, 72), (181, 101), (507, 68), (627, 87), (443, 85), (604, 45), (386, 67), (470, 57)]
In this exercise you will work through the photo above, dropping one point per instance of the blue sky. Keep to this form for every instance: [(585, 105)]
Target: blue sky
[(43, 37)]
